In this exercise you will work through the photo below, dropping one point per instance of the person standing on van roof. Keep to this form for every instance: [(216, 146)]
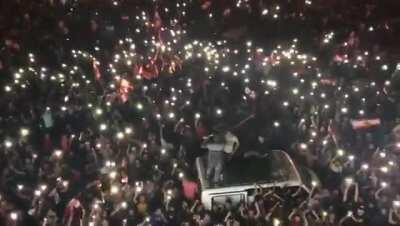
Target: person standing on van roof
[(215, 145)]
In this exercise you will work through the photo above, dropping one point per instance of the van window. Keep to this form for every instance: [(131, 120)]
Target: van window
[(251, 169)]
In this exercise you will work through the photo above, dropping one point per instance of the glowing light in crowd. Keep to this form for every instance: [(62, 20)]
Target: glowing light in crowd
[(99, 111), (38, 193), (14, 216), (120, 135), (276, 222), (20, 187), (7, 88), (171, 115), (8, 144), (114, 189), (351, 157), (43, 187), (124, 205), (349, 180), (128, 130), (113, 175), (226, 69), (314, 183), (24, 132), (58, 153), (103, 127)]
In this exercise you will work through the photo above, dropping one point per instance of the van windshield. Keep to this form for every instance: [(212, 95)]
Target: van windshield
[(250, 169)]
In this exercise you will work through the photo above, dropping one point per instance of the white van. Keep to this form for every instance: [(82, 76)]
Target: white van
[(240, 174)]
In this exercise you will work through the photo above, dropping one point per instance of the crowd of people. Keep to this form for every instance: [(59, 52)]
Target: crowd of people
[(107, 104)]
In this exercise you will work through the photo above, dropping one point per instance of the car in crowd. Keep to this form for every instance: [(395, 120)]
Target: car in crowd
[(273, 169)]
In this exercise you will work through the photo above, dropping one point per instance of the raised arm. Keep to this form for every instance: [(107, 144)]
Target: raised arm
[(258, 212), (356, 192), (378, 193), (292, 213), (269, 214), (297, 192), (227, 216), (194, 206), (343, 220), (345, 193)]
